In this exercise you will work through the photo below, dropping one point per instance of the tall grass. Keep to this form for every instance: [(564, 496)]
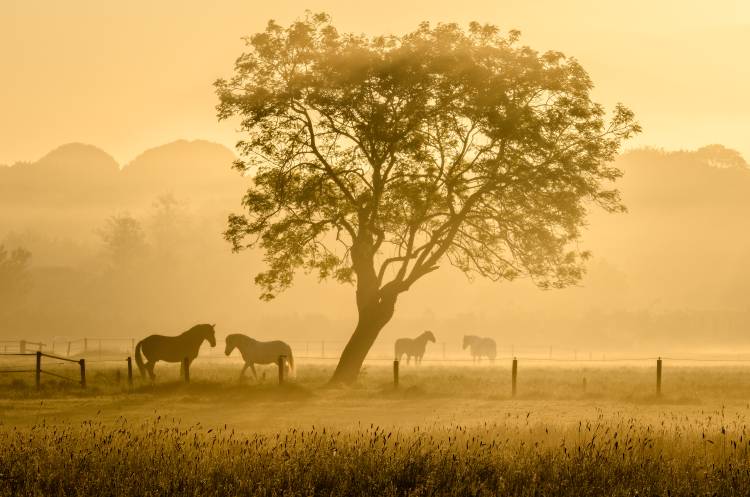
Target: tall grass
[(627, 441), (512, 456)]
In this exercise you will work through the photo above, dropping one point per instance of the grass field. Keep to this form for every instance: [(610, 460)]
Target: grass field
[(448, 430)]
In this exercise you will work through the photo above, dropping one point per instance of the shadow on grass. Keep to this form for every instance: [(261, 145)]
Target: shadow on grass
[(667, 400), (198, 391), (410, 392), (208, 391)]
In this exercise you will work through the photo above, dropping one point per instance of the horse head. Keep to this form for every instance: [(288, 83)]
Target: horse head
[(209, 334), (429, 336), (230, 344), (468, 340)]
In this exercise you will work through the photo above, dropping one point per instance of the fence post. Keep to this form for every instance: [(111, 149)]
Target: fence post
[(395, 373), (22, 346), (514, 376), (658, 376), (130, 371), (68, 348), (38, 370), (584, 384), (282, 359), (186, 370), (82, 363)]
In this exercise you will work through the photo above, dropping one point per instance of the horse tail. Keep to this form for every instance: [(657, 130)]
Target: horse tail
[(290, 358), (139, 359)]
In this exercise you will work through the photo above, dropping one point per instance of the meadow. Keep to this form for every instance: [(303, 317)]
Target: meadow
[(448, 429)]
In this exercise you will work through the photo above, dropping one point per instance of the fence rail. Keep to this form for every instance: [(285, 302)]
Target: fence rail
[(38, 371), (514, 375), (107, 348), (328, 351)]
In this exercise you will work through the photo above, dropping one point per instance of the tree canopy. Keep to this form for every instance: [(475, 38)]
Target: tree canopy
[(14, 276), (375, 159), (124, 240)]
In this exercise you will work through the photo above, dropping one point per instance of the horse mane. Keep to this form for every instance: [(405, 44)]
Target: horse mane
[(195, 329)]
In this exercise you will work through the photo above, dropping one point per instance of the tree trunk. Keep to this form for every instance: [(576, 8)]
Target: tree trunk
[(372, 319)]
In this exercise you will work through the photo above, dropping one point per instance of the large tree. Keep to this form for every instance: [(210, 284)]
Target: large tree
[(376, 159)]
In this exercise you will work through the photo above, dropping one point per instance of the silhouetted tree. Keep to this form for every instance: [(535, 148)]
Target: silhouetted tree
[(375, 159), (124, 241), (167, 225), (721, 156), (14, 274)]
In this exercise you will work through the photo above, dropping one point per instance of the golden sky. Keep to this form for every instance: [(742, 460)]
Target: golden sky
[(126, 76)]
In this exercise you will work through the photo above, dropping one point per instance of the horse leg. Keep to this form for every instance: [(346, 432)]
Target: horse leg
[(408, 358), (244, 368), (252, 368), (150, 369), (189, 365)]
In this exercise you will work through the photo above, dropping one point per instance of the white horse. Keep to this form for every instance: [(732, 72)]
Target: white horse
[(413, 347), (255, 352), (481, 346)]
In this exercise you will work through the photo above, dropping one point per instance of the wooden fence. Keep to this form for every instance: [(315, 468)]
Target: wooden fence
[(102, 347), (322, 350), (281, 364), (39, 371), (514, 376)]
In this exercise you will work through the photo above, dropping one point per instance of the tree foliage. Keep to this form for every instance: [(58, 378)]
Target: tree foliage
[(14, 273), (376, 158), (124, 241)]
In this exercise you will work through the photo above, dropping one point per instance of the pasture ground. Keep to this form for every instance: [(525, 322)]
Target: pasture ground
[(447, 430)]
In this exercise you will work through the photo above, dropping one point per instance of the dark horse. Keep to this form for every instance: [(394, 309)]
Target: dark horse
[(480, 347), (413, 347), (173, 349)]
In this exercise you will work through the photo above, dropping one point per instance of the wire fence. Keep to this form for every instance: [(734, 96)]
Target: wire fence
[(113, 349), (20, 362), (38, 371)]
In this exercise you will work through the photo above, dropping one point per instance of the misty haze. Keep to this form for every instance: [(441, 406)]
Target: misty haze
[(412, 250)]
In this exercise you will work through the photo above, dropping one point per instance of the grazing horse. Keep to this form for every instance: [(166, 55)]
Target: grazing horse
[(480, 346), (255, 352), (172, 349), (413, 347)]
